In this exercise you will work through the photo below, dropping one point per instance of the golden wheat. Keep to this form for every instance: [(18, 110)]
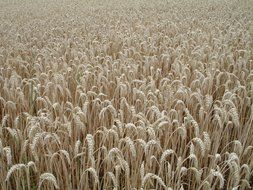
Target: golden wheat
[(113, 94)]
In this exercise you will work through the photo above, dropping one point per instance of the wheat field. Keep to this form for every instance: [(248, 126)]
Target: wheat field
[(126, 95)]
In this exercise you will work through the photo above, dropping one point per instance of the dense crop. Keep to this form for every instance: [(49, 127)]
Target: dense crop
[(126, 94)]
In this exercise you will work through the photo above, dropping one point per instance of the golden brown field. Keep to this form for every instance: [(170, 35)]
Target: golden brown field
[(122, 95)]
